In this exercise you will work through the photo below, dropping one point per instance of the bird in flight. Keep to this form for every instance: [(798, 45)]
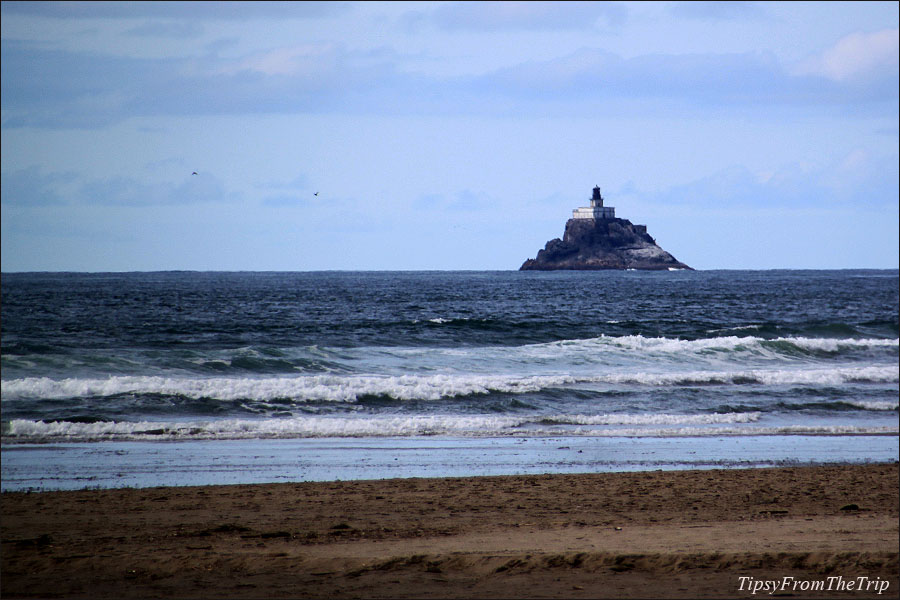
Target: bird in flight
[(194, 173), (316, 194)]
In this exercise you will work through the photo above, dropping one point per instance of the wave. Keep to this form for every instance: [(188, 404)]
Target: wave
[(575, 356), (24, 431), (636, 350), (331, 388), (353, 388), (874, 404), (822, 376), (651, 419), (837, 405), (749, 343)]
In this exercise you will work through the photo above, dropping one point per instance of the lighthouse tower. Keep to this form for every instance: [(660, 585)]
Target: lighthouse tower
[(596, 210)]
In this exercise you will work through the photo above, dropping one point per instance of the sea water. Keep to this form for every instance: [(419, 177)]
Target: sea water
[(187, 377)]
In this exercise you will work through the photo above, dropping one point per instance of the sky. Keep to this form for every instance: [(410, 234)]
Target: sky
[(444, 135)]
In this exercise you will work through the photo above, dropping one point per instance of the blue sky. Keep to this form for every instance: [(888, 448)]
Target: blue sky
[(444, 135)]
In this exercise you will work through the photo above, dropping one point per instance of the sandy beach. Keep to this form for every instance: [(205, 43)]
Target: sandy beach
[(674, 534)]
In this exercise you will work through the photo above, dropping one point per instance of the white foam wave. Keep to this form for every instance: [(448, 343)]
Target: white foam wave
[(729, 424), (653, 419), (835, 345), (875, 404), (731, 343), (637, 349), (837, 376), (351, 388), (333, 388)]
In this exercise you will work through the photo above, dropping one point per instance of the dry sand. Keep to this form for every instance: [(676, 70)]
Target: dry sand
[(685, 534)]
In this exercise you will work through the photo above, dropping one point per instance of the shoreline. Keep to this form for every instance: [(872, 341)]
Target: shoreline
[(665, 534), (144, 464)]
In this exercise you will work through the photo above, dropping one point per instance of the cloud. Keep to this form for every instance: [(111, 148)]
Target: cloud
[(716, 10), (176, 10), (55, 88), (127, 191), (592, 79), (307, 61), (287, 200), (859, 57), (529, 16), (704, 79), (300, 182), (33, 187), (858, 179), (182, 30), (462, 201), (292, 193), (59, 88)]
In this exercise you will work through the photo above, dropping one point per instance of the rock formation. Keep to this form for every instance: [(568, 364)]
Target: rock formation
[(596, 240)]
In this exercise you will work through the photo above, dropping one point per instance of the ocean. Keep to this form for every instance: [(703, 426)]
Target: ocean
[(177, 378)]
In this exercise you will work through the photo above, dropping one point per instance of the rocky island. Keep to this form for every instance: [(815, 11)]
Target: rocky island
[(595, 240)]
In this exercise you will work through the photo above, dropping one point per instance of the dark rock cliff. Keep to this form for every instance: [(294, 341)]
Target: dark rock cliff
[(596, 244)]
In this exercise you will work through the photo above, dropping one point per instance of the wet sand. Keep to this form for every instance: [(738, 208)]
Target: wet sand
[(673, 534)]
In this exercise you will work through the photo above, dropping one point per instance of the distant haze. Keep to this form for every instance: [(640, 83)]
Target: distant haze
[(444, 135)]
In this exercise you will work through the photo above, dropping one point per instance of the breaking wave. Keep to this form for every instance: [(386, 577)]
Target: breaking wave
[(352, 388), (658, 425), (783, 347), (603, 351), (874, 404)]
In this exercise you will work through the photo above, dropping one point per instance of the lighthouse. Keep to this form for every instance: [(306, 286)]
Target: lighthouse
[(596, 210)]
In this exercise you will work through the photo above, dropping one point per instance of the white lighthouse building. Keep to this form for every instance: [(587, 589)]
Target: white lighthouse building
[(596, 210)]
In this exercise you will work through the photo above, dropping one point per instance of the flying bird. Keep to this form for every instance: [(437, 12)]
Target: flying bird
[(316, 194), (194, 173)]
